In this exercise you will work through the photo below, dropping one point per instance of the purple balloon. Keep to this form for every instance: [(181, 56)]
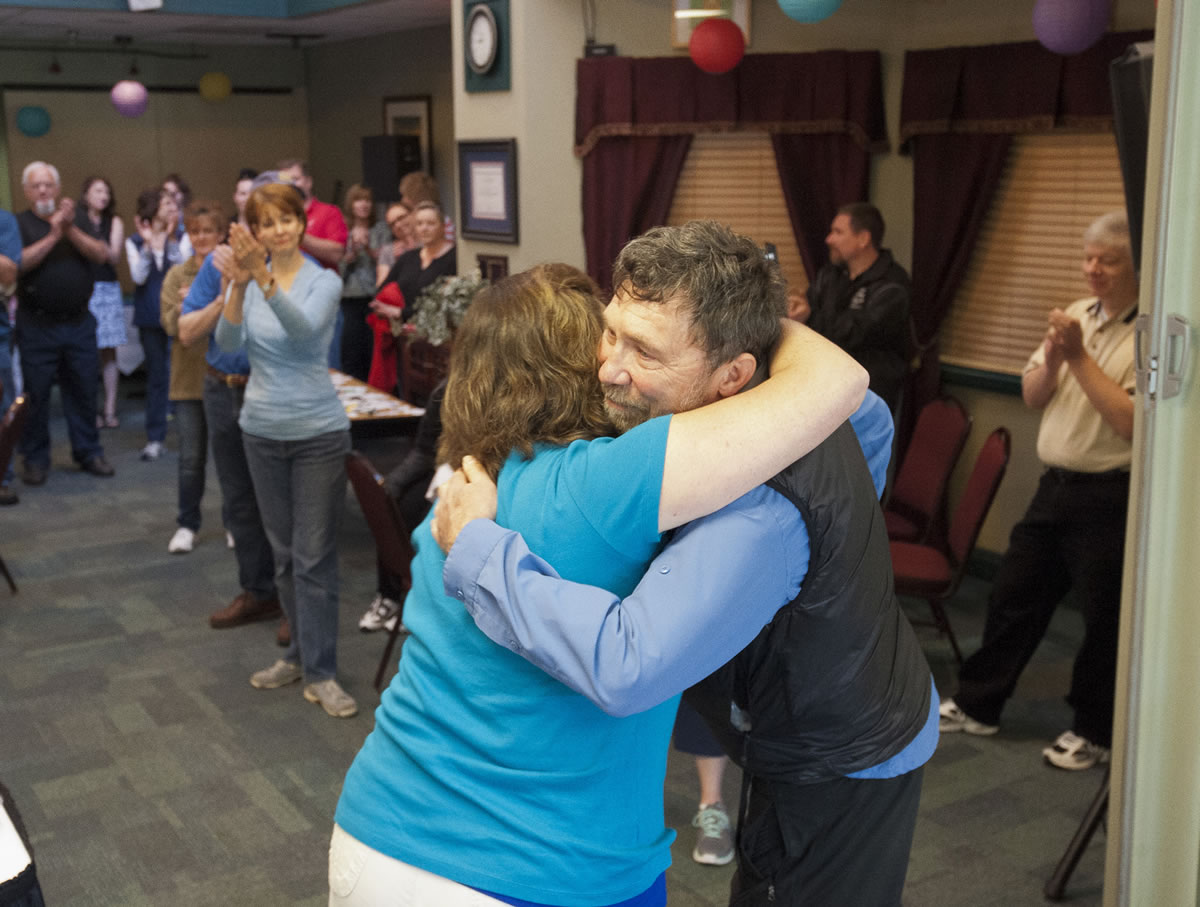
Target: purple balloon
[(1070, 26), (130, 98)]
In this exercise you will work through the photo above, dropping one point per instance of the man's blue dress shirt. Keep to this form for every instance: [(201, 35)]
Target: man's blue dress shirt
[(704, 598)]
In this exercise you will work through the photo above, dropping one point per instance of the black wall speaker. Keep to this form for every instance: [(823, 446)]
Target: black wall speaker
[(386, 158), (1130, 76)]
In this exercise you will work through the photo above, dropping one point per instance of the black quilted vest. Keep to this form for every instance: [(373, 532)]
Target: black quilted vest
[(837, 682)]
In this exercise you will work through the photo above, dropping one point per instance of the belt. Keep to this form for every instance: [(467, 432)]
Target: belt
[(227, 380), (1067, 476)]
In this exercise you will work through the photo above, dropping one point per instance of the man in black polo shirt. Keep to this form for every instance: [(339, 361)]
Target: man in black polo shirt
[(56, 334)]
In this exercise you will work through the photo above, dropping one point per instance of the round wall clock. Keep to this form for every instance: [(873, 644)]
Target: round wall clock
[(483, 39)]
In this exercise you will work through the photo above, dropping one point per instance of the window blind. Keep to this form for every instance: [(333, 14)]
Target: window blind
[(731, 177), (1029, 256)]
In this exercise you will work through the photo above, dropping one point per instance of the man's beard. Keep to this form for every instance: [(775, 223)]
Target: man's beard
[(631, 410), (634, 409), (44, 207)]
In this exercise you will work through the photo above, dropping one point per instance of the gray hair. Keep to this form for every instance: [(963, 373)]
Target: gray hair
[(1110, 230), (29, 168), (734, 295)]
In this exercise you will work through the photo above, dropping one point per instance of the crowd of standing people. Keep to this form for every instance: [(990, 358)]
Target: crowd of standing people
[(238, 321)]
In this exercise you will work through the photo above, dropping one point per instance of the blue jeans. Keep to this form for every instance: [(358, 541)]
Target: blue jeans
[(301, 492), (7, 391), (193, 458), (66, 351), (239, 510), (156, 345)]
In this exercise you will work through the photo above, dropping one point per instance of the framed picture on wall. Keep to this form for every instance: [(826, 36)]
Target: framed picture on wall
[(687, 14), (487, 190), (493, 267), (412, 115)]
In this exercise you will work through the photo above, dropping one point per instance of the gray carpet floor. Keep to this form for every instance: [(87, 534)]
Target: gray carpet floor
[(149, 772)]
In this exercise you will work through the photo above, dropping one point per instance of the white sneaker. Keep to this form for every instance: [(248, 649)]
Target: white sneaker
[(153, 450), (229, 543), (382, 611), (330, 696), (1074, 753), (953, 719), (182, 541), (714, 841)]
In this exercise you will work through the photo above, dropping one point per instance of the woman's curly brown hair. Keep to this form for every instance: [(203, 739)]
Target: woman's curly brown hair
[(523, 368)]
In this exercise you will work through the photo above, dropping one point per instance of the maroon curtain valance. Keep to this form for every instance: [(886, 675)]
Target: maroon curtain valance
[(829, 92), (1008, 89)]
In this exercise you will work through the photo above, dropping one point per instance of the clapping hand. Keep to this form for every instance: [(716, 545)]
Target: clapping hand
[(145, 229), (63, 216), (231, 272), (247, 250), (1065, 336)]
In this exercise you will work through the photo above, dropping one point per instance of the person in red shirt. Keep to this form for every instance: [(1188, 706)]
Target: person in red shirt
[(324, 238), (326, 234)]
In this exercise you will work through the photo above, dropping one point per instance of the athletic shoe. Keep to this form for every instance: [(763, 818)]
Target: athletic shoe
[(182, 541), (383, 613), (153, 450), (278, 675), (953, 719), (1074, 753), (332, 698), (714, 842)]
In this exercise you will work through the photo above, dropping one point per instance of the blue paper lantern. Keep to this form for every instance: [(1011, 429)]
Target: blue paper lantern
[(809, 10), (33, 121), (1070, 26)]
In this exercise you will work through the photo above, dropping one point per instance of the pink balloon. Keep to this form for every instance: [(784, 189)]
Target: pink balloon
[(1070, 26), (130, 98), (717, 45)]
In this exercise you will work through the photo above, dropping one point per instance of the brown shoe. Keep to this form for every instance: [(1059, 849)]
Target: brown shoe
[(283, 636), (243, 610)]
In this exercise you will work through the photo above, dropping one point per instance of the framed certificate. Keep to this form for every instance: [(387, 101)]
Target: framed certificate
[(487, 190)]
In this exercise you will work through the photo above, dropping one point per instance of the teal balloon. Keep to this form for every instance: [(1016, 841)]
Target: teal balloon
[(33, 121), (809, 10)]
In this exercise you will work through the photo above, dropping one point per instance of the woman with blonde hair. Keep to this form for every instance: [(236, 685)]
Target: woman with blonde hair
[(470, 788)]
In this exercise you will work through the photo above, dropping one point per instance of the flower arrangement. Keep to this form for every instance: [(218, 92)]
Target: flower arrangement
[(442, 304)]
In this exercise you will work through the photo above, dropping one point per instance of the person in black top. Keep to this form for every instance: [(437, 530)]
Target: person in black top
[(408, 487), (860, 299), (56, 334), (418, 268)]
